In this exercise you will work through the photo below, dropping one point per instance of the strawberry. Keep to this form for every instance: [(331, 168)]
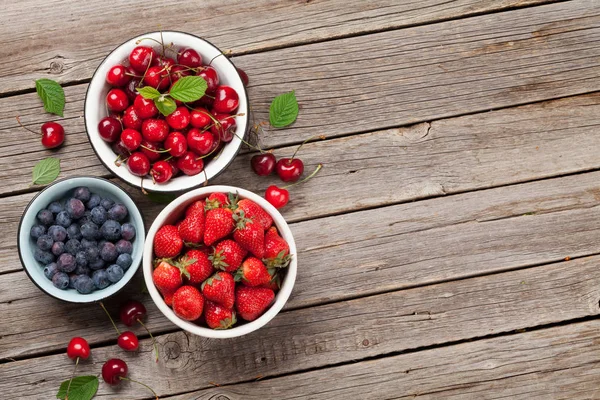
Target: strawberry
[(228, 256), (219, 288), (168, 298), (219, 223), (256, 213), (195, 207), (277, 251), (254, 273), (218, 317), (167, 277), (188, 303), (167, 242), (249, 234), (274, 284), (200, 269), (251, 302), (216, 200), (191, 229)]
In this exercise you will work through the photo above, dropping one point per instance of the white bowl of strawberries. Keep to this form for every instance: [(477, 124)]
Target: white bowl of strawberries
[(220, 261), (166, 111)]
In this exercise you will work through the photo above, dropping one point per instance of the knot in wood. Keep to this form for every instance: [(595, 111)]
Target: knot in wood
[(56, 67), (365, 342)]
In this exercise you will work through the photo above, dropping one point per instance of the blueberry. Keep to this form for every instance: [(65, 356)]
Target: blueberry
[(75, 208), (72, 279), (63, 219), (127, 231), (55, 207), (86, 244), (90, 231), (82, 193), (115, 273), (124, 261), (43, 257), (118, 212), (84, 284), (58, 248), (57, 233), (99, 215), (124, 246), (50, 270), (73, 232), (101, 243), (107, 203), (36, 231), (92, 253), (45, 242), (72, 246), (94, 201), (60, 280), (111, 230), (96, 263), (66, 263), (100, 279), (45, 217), (81, 258), (82, 270), (108, 252), (87, 217)]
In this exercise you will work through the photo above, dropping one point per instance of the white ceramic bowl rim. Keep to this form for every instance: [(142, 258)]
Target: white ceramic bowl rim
[(280, 298), (97, 295), (123, 173)]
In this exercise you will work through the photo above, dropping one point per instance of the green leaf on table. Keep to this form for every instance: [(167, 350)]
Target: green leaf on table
[(46, 171), (188, 88), (283, 110), (162, 198), (165, 105), (52, 94), (82, 388), (148, 92)]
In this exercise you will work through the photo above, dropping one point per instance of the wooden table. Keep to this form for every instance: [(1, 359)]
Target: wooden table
[(449, 248)]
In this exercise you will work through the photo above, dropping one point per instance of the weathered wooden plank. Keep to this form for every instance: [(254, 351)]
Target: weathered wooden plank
[(73, 51), (550, 364), (347, 331)]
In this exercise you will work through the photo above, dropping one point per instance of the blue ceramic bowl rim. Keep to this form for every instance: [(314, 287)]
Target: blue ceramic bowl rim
[(135, 266)]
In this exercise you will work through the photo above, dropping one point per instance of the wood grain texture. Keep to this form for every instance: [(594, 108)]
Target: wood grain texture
[(343, 332), (390, 248), (551, 364), (68, 50)]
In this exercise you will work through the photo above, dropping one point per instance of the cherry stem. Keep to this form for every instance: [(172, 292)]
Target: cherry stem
[(307, 178), (306, 141), (109, 317), (204, 184), (155, 151), (71, 379), (24, 127), (123, 378), (153, 340)]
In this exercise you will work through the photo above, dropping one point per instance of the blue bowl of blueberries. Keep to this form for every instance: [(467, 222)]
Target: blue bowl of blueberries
[(81, 239)]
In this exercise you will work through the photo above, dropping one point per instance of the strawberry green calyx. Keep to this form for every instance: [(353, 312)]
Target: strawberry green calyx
[(212, 204), (227, 322), (209, 281), (233, 200), (281, 261), (241, 220), (218, 260)]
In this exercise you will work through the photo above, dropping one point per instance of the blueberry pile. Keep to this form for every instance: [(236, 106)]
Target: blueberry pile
[(84, 242)]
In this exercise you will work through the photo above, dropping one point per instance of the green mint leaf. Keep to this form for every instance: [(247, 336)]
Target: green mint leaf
[(148, 92), (46, 171), (188, 88), (283, 110), (82, 388), (165, 105), (162, 198), (52, 94)]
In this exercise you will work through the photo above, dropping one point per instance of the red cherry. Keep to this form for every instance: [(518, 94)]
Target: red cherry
[(138, 164), (145, 108), (199, 141), (131, 119), (113, 370), (130, 89), (179, 119), (289, 170), (263, 164), (117, 76), (157, 77), (225, 129), (120, 150), (128, 341), (53, 135), (205, 101), (190, 164), (226, 100), (150, 149), (117, 100), (109, 129), (277, 196), (131, 139), (155, 130), (178, 72), (165, 62), (211, 77), (78, 347), (243, 76), (132, 311), (173, 162), (200, 117), (189, 58), (161, 172), (140, 58), (176, 143)]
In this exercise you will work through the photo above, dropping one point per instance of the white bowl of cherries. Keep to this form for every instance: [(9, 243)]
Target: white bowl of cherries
[(166, 111)]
